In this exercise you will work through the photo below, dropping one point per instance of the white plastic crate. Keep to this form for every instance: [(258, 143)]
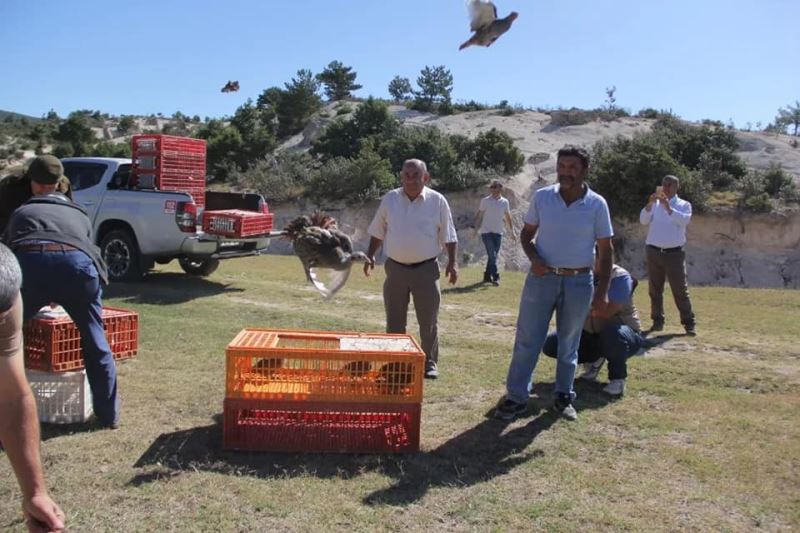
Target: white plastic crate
[(61, 397)]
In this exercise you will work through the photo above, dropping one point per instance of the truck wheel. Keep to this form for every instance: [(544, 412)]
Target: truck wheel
[(198, 267), (121, 254)]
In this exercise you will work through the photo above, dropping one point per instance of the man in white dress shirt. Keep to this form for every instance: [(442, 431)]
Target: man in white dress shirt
[(413, 223), (668, 216)]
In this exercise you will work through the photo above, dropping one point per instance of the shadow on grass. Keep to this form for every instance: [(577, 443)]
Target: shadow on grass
[(467, 288), (166, 288), (484, 451)]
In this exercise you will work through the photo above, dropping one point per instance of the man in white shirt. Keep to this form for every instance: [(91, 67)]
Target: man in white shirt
[(668, 216), (413, 223), (492, 212)]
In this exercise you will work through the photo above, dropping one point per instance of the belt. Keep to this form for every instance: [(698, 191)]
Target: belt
[(45, 247), (560, 271), (666, 250), (413, 265)]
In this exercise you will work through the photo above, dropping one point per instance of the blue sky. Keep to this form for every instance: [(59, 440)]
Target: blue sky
[(719, 59)]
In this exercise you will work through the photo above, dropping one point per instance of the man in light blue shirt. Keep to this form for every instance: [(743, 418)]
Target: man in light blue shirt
[(668, 216), (567, 220)]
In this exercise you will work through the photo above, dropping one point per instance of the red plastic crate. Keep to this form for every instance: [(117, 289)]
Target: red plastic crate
[(54, 345), (159, 143), (237, 223), (254, 425)]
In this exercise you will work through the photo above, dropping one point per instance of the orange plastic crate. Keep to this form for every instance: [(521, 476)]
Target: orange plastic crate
[(237, 223), (324, 366), (320, 427), (54, 345)]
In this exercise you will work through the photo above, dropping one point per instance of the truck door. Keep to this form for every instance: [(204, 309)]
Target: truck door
[(86, 179)]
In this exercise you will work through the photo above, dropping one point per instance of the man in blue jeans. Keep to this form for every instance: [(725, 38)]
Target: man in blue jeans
[(492, 212), (614, 336), (52, 239), (567, 220)]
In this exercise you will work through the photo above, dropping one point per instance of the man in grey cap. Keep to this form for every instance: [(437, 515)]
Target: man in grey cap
[(52, 239), (19, 426), (15, 189)]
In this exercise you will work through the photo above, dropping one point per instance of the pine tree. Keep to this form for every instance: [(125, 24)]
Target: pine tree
[(338, 80)]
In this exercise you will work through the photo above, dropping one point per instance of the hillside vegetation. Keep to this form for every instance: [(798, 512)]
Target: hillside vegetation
[(367, 140)]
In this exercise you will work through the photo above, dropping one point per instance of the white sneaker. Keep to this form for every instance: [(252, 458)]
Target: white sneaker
[(591, 370), (616, 387)]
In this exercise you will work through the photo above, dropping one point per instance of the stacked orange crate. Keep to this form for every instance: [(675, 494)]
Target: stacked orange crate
[(170, 163), (54, 360), (312, 391)]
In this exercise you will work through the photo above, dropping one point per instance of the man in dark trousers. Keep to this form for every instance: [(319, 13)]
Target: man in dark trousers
[(52, 238)]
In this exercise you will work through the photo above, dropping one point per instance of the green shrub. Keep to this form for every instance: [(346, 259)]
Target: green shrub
[(462, 176), (428, 144), (361, 179), (776, 181), (753, 196), (626, 171), (495, 149), (278, 179)]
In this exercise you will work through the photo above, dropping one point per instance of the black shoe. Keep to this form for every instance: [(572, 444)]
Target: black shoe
[(487, 278), (690, 331), (496, 282), (563, 406), (509, 409), (431, 371), (658, 325)]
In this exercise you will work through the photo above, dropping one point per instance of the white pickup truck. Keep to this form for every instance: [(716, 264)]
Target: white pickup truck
[(137, 228)]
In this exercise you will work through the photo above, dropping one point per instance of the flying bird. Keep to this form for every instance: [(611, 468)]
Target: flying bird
[(230, 87), (485, 24), (323, 248)]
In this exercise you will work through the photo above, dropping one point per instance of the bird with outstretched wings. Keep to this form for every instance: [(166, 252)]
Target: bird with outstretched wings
[(230, 87), (484, 24), (325, 251)]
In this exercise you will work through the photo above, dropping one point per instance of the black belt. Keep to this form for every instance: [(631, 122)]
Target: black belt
[(44, 247), (666, 250), (413, 265), (560, 271)]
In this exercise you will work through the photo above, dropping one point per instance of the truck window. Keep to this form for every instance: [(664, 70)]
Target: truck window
[(84, 175)]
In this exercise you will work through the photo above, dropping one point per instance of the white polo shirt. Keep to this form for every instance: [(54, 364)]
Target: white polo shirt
[(494, 210), (413, 231), (667, 230)]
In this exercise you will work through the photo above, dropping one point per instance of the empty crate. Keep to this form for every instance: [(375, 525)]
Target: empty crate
[(170, 163), (320, 426), (54, 344), (317, 366), (237, 223), (61, 398)]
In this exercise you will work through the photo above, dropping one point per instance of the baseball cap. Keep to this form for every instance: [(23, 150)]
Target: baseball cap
[(45, 169)]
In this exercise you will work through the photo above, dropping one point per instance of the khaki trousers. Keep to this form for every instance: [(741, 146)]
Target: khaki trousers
[(422, 283), (668, 266)]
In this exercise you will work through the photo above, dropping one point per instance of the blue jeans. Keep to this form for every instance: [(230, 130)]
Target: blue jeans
[(492, 243), (570, 297), (616, 343), (70, 279)]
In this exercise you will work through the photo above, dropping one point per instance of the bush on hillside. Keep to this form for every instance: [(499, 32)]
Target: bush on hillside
[(626, 171), (360, 179), (428, 144), (279, 179), (495, 149), (462, 176)]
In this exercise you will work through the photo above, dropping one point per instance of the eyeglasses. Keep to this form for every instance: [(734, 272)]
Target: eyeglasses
[(494, 186)]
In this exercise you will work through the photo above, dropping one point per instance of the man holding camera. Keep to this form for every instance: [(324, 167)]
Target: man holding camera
[(668, 216)]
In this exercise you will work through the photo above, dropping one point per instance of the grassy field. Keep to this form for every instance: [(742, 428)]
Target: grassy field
[(706, 438)]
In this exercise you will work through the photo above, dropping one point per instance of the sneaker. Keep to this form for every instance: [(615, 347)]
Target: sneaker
[(658, 325), (431, 371), (496, 282), (563, 406), (616, 387), (509, 409), (690, 331), (592, 370), (487, 278)]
